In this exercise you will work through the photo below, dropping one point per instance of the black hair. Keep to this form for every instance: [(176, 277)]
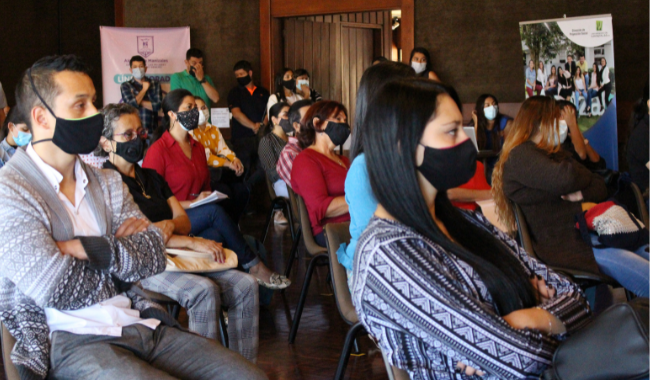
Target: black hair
[(193, 52), (294, 110), (373, 78), (137, 58), (274, 112), (640, 110), (424, 52), (380, 59), (482, 123), (279, 87), (243, 65), (398, 115), (42, 74), (300, 72), (172, 102), (14, 117)]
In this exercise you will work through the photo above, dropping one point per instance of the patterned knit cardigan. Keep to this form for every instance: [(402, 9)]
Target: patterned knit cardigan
[(430, 310), (35, 275)]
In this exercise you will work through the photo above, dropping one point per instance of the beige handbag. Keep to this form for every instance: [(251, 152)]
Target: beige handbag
[(180, 260)]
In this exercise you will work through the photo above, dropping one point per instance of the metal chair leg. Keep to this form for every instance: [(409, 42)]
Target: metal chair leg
[(290, 213), (350, 338), (293, 255), (303, 295), (269, 219), (223, 330)]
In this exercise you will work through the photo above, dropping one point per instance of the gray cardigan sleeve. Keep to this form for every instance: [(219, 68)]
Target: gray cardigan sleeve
[(32, 261)]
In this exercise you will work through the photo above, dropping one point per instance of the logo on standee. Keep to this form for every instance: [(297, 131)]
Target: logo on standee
[(145, 45)]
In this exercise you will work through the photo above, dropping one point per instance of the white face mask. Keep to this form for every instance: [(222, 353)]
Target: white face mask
[(563, 133), (302, 82), (419, 67), (203, 116), (138, 73), (491, 112)]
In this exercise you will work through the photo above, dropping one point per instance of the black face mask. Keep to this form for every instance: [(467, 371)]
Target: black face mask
[(338, 132), (189, 120), (244, 81), (286, 126), (289, 84), (73, 136), (132, 151), (451, 167)]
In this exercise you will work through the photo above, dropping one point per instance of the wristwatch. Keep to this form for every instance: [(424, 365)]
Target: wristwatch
[(203, 80)]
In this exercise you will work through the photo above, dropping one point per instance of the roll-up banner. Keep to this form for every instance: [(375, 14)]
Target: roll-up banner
[(573, 59)]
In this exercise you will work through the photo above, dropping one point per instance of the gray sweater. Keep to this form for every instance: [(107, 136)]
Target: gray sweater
[(537, 182), (35, 275)]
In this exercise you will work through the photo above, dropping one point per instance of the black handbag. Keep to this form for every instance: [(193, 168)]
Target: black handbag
[(614, 346)]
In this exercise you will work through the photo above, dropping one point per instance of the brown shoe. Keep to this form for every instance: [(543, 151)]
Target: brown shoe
[(279, 218)]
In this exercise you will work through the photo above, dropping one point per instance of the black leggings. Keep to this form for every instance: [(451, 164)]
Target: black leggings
[(607, 89)]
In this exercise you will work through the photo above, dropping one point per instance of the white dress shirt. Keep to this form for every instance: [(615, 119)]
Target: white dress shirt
[(109, 316)]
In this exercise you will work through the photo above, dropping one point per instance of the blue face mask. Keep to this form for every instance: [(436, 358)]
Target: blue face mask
[(23, 138), (491, 112)]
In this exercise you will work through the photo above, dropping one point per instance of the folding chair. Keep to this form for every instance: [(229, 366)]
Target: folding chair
[(584, 279), (335, 234), (394, 373), (277, 204), (318, 257)]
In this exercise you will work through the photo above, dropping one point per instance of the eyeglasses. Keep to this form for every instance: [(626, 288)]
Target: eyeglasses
[(130, 135)]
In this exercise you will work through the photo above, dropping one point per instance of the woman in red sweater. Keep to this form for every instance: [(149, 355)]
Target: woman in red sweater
[(181, 161), (318, 174)]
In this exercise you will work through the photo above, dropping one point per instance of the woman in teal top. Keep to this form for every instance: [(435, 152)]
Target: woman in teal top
[(358, 194)]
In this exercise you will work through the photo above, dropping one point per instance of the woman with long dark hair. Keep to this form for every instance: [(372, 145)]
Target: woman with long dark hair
[(181, 161), (271, 146), (420, 61), (593, 88), (439, 288), (285, 89), (604, 84), (551, 83), (581, 89), (318, 173), (552, 188), (358, 194), (490, 126), (566, 84)]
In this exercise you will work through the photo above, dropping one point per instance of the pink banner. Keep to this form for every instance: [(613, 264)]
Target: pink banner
[(163, 49)]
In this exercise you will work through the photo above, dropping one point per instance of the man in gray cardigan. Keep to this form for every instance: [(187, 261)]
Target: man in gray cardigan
[(72, 245)]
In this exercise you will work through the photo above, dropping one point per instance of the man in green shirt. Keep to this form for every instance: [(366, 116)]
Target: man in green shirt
[(194, 79)]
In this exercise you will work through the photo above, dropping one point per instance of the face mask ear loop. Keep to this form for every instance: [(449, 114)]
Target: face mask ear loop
[(31, 81)]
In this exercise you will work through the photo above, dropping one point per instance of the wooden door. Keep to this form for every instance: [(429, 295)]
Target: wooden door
[(336, 50)]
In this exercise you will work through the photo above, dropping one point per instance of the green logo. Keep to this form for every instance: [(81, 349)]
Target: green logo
[(599, 25)]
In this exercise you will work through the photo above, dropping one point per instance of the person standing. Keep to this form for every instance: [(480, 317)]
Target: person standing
[(247, 103), (582, 64), (142, 93), (194, 78), (570, 65), (303, 86), (604, 84)]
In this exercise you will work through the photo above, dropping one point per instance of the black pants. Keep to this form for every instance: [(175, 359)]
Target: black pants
[(246, 151), (607, 89)]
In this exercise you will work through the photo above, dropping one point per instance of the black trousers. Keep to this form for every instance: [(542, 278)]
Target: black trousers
[(607, 89)]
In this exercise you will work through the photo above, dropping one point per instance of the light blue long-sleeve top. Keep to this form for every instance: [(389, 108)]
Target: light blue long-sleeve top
[(362, 204)]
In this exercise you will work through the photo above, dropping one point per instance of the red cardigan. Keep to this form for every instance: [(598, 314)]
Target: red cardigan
[(319, 180), (183, 175)]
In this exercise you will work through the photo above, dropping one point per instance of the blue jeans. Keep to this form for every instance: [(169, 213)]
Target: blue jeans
[(592, 93), (629, 268), (212, 222), (587, 99)]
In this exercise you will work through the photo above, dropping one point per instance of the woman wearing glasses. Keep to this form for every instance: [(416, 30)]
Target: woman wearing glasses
[(202, 296)]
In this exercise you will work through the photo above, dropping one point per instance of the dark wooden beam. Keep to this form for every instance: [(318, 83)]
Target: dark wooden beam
[(293, 8), (119, 12), (266, 44), (407, 24)]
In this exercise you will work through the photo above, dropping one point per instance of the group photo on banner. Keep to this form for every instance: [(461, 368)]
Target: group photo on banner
[(572, 59)]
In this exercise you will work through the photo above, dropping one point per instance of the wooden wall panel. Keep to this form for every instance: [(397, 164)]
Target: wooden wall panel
[(325, 66)]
